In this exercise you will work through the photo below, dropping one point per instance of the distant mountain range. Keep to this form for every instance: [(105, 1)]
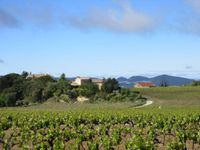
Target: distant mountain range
[(129, 82), (171, 80)]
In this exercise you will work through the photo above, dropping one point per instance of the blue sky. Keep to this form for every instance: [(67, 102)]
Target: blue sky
[(100, 38)]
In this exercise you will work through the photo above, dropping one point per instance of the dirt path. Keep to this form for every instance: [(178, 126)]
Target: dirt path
[(148, 102)]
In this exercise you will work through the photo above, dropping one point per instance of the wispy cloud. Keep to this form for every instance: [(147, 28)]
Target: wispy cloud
[(195, 4), (123, 18), (1, 61), (119, 16), (188, 67), (7, 19), (37, 16)]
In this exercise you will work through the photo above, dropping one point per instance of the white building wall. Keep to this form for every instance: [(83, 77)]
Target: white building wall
[(78, 81)]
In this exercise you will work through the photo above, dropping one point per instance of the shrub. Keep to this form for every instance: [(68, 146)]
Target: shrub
[(196, 83), (88, 89), (64, 98), (110, 85)]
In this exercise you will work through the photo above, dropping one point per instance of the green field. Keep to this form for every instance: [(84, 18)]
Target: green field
[(187, 96), (107, 126), (105, 129)]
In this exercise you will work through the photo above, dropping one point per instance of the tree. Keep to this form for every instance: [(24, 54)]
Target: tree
[(110, 85), (11, 89), (16, 90), (8, 81), (24, 74), (57, 88), (164, 83), (62, 77), (2, 100), (10, 98), (51, 89), (36, 88), (88, 89), (44, 79), (196, 83), (36, 95)]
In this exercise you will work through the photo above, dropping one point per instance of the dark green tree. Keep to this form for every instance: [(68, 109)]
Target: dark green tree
[(36, 88), (110, 85), (164, 83), (8, 81), (44, 80), (58, 88), (62, 77), (24, 74), (196, 83), (88, 89), (2, 100)]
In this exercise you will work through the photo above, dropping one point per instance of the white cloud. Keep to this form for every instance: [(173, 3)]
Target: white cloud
[(123, 18), (15, 16), (120, 16), (7, 20), (195, 4)]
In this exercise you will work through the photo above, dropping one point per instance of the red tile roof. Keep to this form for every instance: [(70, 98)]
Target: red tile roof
[(146, 84)]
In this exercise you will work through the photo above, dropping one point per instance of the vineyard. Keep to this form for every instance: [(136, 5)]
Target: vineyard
[(174, 96), (133, 129)]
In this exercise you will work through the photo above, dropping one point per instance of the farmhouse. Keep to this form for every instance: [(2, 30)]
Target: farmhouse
[(98, 82), (83, 80), (80, 81), (35, 76), (144, 85)]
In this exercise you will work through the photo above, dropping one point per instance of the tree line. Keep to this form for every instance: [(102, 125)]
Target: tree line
[(17, 90)]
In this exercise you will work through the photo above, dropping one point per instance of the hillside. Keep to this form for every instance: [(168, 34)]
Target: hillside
[(173, 96), (171, 80)]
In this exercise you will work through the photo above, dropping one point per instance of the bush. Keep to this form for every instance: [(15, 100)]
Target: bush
[(10, 99), (73, 94), (64, 98), (2, 101), (61, 98), (99, 97), (117, 98), (19, 103), (110, 85), (88, 89), (125, 91), (23, 102), (196, 83), (122, 96)]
